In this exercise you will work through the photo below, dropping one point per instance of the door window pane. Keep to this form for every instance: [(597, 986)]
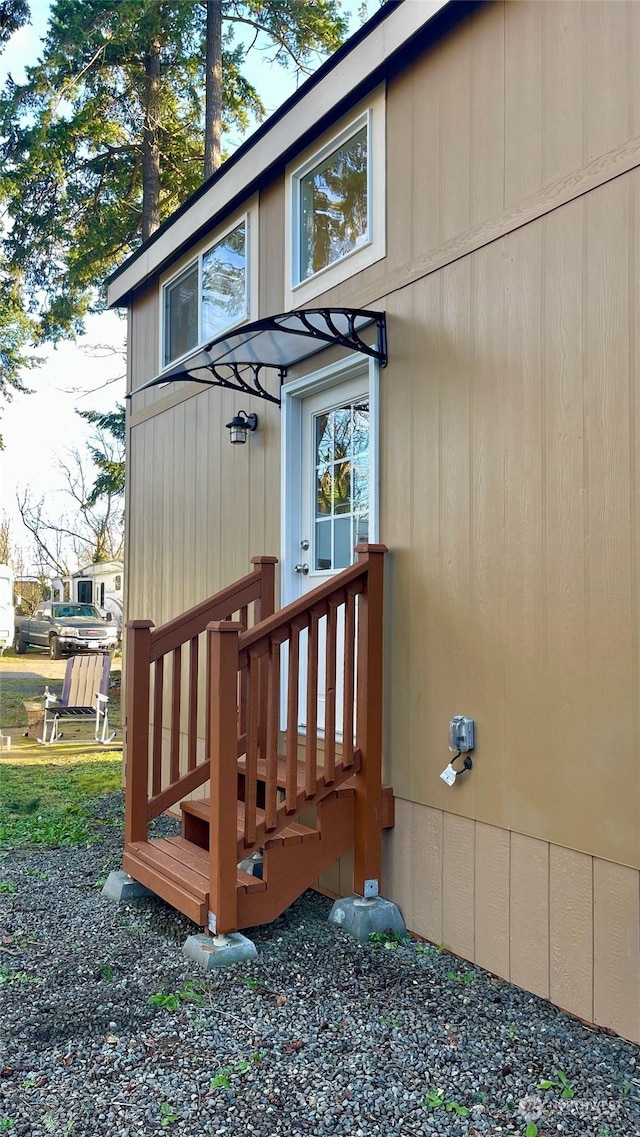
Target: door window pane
[(181, 315), (341, 438), (224, 283), (343, 544), (334, 206)]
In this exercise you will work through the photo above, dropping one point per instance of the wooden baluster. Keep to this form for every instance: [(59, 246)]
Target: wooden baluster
[(221, 746), (251, 762), (291, 789), (176, 690), (243, 683), (158, 699), (273, 729), (348, 678), (330, 696), (368, 783), (192, 741), (264, 606), (311, 752), (137, 729)]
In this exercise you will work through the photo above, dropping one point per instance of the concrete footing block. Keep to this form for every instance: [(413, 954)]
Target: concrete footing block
[(359, 918), (120, 886), (219, 951)]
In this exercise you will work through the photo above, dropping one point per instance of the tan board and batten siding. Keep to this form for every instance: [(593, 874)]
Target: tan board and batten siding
[(509, 492)]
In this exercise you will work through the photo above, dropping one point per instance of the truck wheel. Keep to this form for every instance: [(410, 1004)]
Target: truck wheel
[(54, 648), (21, 645)]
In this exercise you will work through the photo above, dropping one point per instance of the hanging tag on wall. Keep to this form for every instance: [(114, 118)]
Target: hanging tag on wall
[(448, 775)]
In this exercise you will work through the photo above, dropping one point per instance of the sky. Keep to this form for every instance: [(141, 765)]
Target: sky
[(41, 428)]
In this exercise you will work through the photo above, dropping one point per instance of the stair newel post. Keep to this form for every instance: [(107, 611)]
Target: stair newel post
[(222, 749), (369, 697), (266, 603), (138, 663), (265, 606)]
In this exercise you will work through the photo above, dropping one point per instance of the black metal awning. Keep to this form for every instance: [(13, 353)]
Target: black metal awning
[(237, 359)]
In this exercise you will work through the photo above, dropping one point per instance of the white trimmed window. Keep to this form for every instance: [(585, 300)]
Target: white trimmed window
[(207, 297), (336, 206)]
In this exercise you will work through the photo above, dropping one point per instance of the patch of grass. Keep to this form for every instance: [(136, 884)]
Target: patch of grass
[(7, 887), (19, 687), (48, 795), (15, 690)]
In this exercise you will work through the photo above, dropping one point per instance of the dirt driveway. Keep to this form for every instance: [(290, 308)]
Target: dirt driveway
[(37, 664), (33, 663)]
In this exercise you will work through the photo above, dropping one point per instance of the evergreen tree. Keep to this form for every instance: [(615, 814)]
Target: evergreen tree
[(106, 137), (13, 15), (107, 452)]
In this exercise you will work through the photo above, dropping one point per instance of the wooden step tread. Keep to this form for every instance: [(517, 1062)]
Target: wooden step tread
[(281, 769), (293, 834), (186, 864), (161, 855), (200, 808)]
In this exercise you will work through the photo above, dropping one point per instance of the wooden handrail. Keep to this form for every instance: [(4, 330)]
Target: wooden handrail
[(280, 620), (154, 753), (219, 607)]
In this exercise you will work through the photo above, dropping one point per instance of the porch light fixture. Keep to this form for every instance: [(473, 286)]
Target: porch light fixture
[(239, 425)]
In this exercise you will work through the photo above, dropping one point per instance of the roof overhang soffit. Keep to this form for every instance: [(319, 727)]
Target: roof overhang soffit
[(237, 360)]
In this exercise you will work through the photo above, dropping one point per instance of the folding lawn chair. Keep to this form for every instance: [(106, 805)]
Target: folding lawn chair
[(84, 696)]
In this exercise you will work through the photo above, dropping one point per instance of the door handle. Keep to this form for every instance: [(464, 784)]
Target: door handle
[(304, 569)]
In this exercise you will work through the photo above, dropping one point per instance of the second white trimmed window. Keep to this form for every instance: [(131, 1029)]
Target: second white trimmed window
[(208, 297)]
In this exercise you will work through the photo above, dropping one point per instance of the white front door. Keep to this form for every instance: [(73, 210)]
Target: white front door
[(330, 498)]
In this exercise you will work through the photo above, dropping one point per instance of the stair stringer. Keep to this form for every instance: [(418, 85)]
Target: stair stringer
[(288, 870)]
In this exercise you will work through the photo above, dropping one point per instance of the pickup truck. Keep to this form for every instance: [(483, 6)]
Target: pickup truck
[(59, 628)]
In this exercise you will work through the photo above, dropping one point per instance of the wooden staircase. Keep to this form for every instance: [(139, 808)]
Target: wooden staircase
[(299, 800)]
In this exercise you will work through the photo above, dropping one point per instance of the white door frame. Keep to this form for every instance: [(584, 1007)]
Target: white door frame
[(293, 394)]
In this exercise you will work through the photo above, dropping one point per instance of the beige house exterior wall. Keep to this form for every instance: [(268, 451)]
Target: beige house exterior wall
[(509, 492)]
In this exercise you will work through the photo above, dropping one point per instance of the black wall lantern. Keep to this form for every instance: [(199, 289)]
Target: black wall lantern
[(239, 425)]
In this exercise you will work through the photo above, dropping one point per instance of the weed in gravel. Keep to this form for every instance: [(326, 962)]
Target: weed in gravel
[(222, 1080), (173, 1000), (16, 978), (435, 1099), (167, 1115), (52, 1125), (388, 939), (466, 979), (560, 1083), (7, 887), (6, 1123)]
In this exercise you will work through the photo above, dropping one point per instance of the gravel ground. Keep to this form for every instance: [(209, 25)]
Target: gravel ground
[(318, 1036)]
